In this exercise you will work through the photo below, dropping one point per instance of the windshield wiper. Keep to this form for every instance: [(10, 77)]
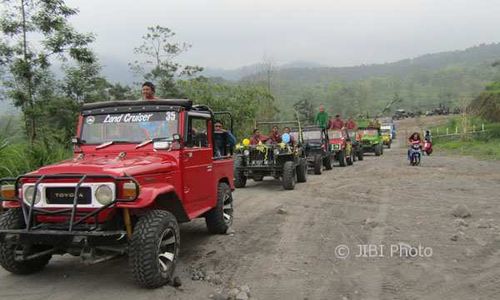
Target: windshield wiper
[(146, 142), (109, 143)]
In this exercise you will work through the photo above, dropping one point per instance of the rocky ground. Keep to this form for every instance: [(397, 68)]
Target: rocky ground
[(428, 232)]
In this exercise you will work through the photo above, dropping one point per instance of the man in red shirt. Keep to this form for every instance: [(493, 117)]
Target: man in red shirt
[(351, 124), (148, 91), (257, 137), (336, 123)]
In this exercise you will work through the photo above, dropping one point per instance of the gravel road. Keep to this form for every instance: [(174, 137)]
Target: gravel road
[(293, 244)]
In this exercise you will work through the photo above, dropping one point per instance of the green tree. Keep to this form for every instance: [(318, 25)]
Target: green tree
[(83, 83), (34, 32), (246, 103), (158, 53), (305, 109)]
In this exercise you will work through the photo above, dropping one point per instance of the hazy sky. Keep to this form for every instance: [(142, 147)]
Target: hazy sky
[(233, 33)]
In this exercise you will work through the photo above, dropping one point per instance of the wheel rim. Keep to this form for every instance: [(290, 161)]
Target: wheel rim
[(227, 209), (167, 250)]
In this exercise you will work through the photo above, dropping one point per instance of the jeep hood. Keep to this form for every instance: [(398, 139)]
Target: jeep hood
[(111, 165)]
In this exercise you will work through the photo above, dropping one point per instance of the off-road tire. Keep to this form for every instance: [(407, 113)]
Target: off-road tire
[(318, 165), (220, 218), (13, 219), (240, 180), (360, 154), (378, 150), (341, 158), (327, 162), (144, 251), (288, 175), (350, 159), (302, 170), (257, 177)]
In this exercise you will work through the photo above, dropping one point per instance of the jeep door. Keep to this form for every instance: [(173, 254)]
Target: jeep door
[(199, 186)]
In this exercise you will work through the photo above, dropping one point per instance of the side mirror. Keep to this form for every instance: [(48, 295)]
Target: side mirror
[(76, 141), (177, 137), (177, 142)]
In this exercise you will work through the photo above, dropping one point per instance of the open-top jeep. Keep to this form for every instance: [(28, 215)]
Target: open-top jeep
[(139, 169), (316, 146), (285, 160), (355, 137), (371, 140), (385, 131), (341, 146)]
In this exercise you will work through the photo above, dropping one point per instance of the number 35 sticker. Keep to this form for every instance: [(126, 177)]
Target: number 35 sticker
[(170, 116)]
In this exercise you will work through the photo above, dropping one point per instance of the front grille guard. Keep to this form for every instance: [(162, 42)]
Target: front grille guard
[(30, 212)]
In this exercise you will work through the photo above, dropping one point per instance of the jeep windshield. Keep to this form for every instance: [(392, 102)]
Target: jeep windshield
[(311, 135), (334, 134), (370, 132), (129, 127)]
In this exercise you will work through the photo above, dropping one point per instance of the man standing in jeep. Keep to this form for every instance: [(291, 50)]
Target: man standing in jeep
[(148, 91)]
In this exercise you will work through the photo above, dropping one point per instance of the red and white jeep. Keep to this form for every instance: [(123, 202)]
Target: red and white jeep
[(139, 169), (341, 146)]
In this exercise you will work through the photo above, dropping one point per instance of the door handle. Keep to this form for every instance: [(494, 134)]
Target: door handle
[(188, 155)]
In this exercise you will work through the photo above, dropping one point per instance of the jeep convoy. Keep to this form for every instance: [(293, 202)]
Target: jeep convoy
[(139, 169)]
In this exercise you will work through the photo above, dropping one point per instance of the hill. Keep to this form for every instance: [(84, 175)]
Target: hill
[(422, 82)]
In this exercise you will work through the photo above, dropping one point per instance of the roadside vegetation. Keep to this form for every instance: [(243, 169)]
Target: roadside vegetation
[(477, 131)]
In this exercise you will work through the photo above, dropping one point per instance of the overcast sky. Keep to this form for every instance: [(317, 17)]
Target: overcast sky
[(234, 33)]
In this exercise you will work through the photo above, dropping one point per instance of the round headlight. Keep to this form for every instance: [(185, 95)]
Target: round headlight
[(246, 152), (276, 151), (104, 194), (28, 195)]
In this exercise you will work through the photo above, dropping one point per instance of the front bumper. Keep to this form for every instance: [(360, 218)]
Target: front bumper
[(71, 218)]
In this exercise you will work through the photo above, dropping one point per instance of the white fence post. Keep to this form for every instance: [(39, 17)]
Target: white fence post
[(482, 126), (447, 131)]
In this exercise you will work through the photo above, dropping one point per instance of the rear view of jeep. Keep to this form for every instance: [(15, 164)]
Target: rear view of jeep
[(134, 176)]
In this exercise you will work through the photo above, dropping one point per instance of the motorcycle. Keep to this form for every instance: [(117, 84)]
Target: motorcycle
[(427, 147), (415, 154)]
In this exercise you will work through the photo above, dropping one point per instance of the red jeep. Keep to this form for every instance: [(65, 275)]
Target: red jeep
[(341, 145), (139, 169)]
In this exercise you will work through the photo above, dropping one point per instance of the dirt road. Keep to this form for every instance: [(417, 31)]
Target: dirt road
[(292, 244)]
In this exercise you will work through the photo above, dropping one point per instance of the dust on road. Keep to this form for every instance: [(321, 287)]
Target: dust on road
[(284, 242)]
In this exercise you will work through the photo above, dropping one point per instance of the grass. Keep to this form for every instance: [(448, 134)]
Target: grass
[(489, 150), (481, 145), (20, 158)]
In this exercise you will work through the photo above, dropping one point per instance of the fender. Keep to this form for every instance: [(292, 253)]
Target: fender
[(148, 196)]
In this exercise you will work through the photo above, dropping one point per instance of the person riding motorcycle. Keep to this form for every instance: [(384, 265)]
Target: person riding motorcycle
[(412, 140)]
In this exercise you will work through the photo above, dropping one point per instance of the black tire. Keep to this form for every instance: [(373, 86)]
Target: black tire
[(389, 145), (288, 175), (318, 165), (378, 150), (258, 177), (350, 159), (240, 180), (13, 219), (360, 154), (327, 161), (154, 249), (341, 158), (220, 218), (302, 170)]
